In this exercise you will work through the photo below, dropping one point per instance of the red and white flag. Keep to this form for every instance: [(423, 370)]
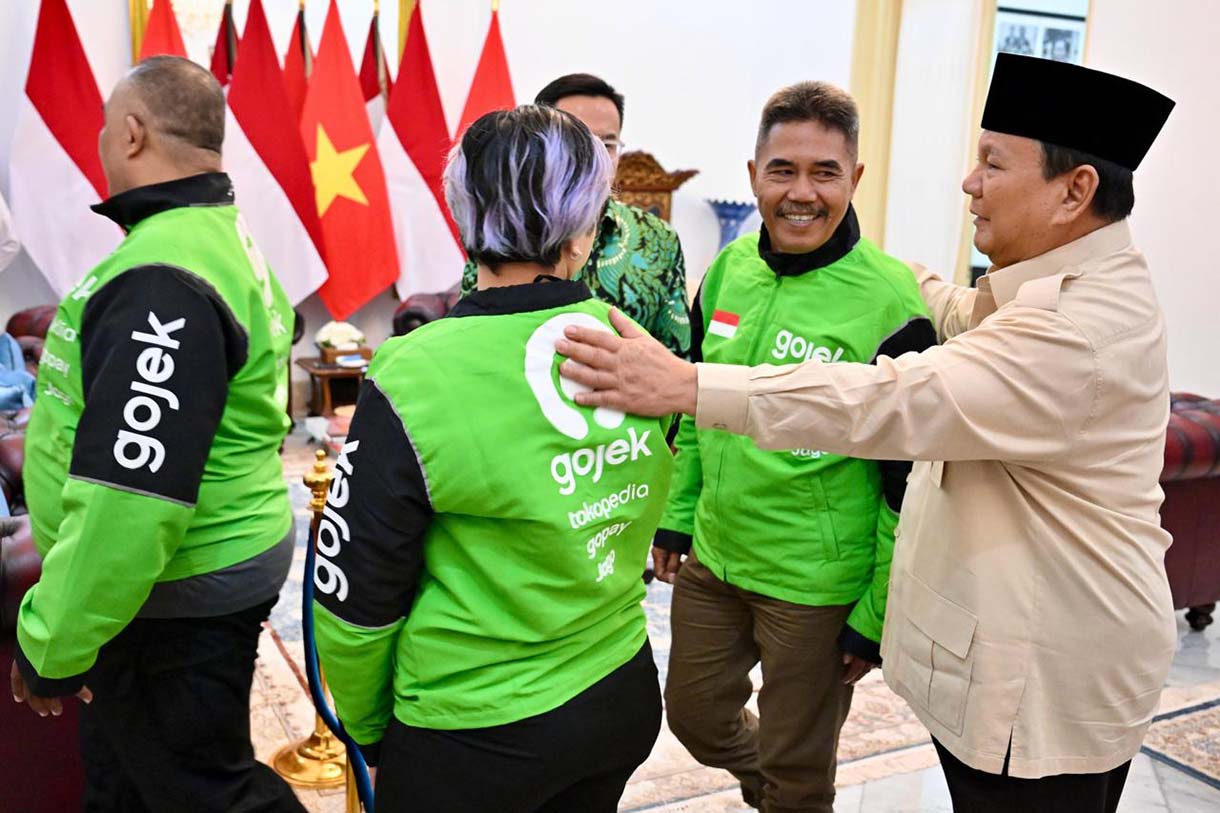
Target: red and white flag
[(375, 80), (224, 51), (55, 173), (492, 87), (161, 36), (265, 157), (414, 142), (349, 183), (723, 324), (298, 64)]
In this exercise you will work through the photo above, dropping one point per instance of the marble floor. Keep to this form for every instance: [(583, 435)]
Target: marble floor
[(886, 763)]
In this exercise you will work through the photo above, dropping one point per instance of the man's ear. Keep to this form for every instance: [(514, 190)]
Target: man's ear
[(135, 138), (856, 175), (750, 170), (1079, 189)]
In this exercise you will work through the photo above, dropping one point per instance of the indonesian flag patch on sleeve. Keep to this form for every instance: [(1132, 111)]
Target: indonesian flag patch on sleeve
[(723, 324)]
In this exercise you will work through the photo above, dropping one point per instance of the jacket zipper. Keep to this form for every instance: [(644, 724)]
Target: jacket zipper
[(751, 359)]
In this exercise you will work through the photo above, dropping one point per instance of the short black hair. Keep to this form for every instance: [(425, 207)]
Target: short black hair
[(1115, 195), (580, 84), (184, 98), (830, 106)]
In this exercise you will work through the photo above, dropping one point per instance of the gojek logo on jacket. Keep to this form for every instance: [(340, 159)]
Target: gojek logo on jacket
[(566, 417)]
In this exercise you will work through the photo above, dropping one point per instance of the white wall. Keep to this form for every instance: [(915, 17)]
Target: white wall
[(932, 127), (695, 75), (1173, 49)]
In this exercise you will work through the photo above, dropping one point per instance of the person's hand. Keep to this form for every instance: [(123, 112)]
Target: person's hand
[(632, 372), (42, 706), (855, 668), (666, 564)]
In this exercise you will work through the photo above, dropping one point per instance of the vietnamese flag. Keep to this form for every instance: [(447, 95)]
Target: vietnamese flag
[(348, 179), (492, 88), (298, 64), (161, 36)]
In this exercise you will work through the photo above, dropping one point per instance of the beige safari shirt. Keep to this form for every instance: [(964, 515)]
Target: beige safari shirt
[(1028, 600)]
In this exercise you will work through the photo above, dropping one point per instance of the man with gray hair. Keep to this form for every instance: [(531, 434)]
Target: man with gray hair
[(153, 477), (789, 551)]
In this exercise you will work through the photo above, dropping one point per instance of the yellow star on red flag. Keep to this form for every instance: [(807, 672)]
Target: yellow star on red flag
[(333, 170)]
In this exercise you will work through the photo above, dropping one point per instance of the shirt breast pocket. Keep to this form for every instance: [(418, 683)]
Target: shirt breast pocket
[(936, 661)]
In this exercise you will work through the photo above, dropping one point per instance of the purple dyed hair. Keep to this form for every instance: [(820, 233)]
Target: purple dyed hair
[(523, 182)]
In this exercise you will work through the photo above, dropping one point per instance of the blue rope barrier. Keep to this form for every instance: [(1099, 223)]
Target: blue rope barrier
[(360, 769)]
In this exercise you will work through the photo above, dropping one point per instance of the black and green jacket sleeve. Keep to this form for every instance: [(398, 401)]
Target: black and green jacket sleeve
[(861, 635), (158, 348), (370, 557)]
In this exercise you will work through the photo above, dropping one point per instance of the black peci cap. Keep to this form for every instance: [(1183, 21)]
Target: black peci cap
[(1074, 107)]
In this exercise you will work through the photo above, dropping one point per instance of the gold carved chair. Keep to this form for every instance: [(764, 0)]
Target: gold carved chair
[(642, 181)]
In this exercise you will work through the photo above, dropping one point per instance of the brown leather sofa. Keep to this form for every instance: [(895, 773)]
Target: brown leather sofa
[(1191, 479)]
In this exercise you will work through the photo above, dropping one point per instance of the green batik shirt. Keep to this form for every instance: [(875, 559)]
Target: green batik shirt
[(637, 266)]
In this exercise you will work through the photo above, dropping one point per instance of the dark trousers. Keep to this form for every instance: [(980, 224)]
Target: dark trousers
[(169, 726), (573, 759), (785, 756), (975, 790)]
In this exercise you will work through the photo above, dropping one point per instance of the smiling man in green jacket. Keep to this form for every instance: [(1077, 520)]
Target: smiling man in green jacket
[(791, 549)]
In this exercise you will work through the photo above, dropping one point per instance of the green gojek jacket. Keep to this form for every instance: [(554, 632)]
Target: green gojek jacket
[(800, 525), (479, 559), (152, 453)]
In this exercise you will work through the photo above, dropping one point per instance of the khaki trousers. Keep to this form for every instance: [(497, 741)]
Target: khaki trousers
[(785, 756)]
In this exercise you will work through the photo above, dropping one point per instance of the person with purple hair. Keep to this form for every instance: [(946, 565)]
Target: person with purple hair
[(478, 606), (636, 262)]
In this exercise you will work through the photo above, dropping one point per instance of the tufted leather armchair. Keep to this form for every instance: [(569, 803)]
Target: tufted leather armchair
[(1191, 479), (420, 309)]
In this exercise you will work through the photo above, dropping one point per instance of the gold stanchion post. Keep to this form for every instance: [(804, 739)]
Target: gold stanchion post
[(352, 795), (319, 760)]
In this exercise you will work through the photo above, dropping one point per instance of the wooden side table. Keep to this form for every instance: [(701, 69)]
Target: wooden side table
[(321, 374)]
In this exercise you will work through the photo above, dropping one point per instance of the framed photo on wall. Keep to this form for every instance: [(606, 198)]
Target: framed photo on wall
[(1049, 36), (1048, 29)]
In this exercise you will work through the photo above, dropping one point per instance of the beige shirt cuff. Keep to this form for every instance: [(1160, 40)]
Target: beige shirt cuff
[(723, 399)]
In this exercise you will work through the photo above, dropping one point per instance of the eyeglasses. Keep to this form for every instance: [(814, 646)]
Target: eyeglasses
[(613, 146)]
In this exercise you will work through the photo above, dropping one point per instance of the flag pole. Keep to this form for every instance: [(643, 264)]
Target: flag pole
[(405, 9), (138, 14), (306, 48), (230, 34)]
